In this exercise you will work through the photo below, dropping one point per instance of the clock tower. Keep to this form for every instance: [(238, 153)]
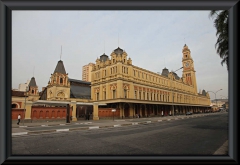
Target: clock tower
[(188, 68)]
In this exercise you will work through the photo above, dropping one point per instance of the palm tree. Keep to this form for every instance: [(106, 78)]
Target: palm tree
[(221, 25)]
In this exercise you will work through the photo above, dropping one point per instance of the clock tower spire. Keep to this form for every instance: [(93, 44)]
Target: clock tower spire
[(188, 68)]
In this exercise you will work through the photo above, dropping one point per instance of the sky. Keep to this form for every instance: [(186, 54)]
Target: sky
[(152, 39)]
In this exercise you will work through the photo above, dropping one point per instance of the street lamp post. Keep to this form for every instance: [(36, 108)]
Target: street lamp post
[(215, 95), (25, 104), (172, 88)]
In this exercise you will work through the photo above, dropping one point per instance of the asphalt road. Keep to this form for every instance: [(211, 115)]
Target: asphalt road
[(193, 136)]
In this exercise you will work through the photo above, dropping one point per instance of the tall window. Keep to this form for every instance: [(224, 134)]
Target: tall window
[(97, 96), (114, 94), (125, 93), (139, 95), (104, 95), (61, 81), (135, 94), (144, 96), (147, 97)]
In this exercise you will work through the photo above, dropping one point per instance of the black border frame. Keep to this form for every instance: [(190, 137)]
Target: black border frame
[(6, 7)]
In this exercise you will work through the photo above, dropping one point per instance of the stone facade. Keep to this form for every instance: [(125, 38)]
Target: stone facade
[(116, 81)]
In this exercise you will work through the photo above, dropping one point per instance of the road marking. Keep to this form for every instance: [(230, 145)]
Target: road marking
[(95, 127), (176, 118), (118, 125), (19, 133), (168, 119), (44, 125), (119, 120), (22, 126), (148, 121), (134, 123), (62, 124), (58, 130), (159, 120)]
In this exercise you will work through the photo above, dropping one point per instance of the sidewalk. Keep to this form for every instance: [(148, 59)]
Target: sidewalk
[(94, 124)]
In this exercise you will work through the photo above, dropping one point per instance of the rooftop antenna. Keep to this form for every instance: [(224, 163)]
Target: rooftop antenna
[(184, 40), (164, 62), (61, 52), (104, 46), (118, 39), (33, 70)]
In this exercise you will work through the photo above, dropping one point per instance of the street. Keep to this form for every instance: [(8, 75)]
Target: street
[(193, 136)]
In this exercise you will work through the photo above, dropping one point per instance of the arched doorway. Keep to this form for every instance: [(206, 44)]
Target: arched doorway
[(143, 110), (126, 110)]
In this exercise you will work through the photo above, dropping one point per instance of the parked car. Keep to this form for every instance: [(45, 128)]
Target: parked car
[(189, 113)]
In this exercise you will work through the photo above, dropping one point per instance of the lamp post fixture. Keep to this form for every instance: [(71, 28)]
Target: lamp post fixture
[(172, 88), (25, 104), (224, 96), (215, 95)]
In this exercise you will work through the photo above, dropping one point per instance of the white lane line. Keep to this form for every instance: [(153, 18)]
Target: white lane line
[(134, 123), (159, 120), (58, 130), (62, 124), (118, 125), (44, 125), (19, 133), (95, 127), (148, 121), (22, 126)]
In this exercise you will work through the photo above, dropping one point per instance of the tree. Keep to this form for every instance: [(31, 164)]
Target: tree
[(221, 25)]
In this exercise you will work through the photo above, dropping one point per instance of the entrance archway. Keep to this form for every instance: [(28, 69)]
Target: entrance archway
[(126, 110), (143, 110)]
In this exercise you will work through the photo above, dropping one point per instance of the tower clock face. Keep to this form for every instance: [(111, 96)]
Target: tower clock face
[(187, 64)]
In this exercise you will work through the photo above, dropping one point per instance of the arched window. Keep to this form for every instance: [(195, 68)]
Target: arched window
[(14, 105), (61, 80), (32, 91)]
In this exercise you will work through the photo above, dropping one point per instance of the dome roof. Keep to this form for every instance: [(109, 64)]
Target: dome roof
[(118, 51), (103, 57), (165, 72)]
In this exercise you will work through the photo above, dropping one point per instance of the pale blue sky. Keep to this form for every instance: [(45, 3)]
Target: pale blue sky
[(153, 40)]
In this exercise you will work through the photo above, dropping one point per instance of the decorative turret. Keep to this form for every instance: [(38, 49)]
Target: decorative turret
[(32, 91), (58, 87), (59, 76)]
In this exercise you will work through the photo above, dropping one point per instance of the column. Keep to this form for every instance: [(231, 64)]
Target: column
[(28, 110), (95, 111), (73, 105)]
